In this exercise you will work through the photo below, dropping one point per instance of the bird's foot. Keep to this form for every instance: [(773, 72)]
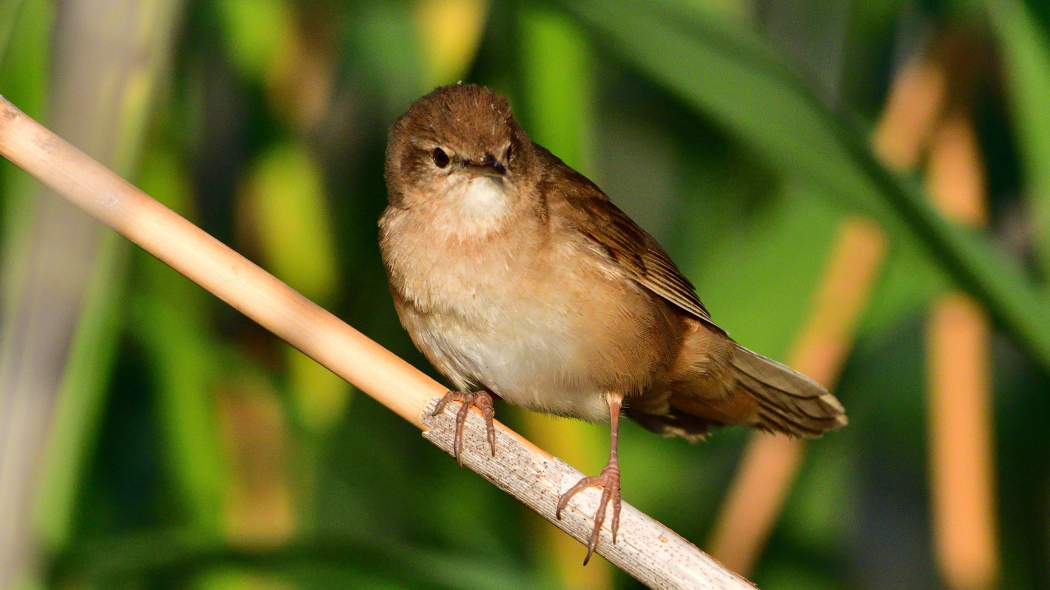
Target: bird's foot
[(481, 399), (609, 480)]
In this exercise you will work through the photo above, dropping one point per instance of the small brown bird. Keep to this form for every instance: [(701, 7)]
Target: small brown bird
[(518, 278)]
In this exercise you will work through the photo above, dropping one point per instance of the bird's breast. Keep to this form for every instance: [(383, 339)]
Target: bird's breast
[(538, 322)]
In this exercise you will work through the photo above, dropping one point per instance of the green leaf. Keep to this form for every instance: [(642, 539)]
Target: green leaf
[(185, 360), (8, 17), (1026, 53), (24, 81), (84, 391), (784, 250), (730, 74), (556, 75)]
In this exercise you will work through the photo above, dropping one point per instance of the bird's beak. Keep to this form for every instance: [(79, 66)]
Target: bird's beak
[(488, 166)]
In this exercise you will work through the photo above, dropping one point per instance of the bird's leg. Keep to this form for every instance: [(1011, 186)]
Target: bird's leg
[(481, 399), (608, 479)]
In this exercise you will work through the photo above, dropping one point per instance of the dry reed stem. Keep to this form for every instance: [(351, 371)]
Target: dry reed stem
[(961, 448), (962, 464), (912, 110), (646, 549), (770, 464)]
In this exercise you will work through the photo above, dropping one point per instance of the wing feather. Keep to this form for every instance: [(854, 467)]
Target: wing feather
[(591, 213)]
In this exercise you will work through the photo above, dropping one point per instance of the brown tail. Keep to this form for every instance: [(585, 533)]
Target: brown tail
[(788, 401), (716, 382)]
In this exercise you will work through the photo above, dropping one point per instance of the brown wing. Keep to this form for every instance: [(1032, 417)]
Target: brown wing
[(591, 212)]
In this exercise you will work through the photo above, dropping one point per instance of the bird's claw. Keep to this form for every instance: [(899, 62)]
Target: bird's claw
[(609, 480), (481, 399)]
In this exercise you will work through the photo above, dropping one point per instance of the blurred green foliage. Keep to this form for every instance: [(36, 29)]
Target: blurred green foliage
[(214, 456)]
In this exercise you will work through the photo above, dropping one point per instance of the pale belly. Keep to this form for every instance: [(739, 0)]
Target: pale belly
[(559, 352), (525, 354)]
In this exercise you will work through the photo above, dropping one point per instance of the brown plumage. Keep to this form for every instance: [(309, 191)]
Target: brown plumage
[(516, 275)]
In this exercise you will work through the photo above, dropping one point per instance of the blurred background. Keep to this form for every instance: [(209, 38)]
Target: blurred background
[(859, 188)]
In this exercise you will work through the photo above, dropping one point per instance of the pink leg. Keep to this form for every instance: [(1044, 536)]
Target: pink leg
[(608, 479), (481, 399)]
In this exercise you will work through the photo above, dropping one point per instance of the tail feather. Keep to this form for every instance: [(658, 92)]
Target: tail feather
[(788, 401)]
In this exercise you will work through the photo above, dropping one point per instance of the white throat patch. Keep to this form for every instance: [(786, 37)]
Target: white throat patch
[(481, 203)]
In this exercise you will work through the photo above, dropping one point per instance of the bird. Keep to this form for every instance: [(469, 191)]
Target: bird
[(519, 279)]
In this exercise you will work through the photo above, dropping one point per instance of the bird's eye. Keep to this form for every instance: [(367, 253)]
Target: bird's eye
[(441, 159)]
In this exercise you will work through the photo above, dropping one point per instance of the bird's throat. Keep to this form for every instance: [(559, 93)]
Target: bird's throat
[(477, 206)]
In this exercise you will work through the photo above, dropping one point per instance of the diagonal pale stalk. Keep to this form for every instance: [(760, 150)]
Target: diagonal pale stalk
[(770, 464), (645, 549)]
